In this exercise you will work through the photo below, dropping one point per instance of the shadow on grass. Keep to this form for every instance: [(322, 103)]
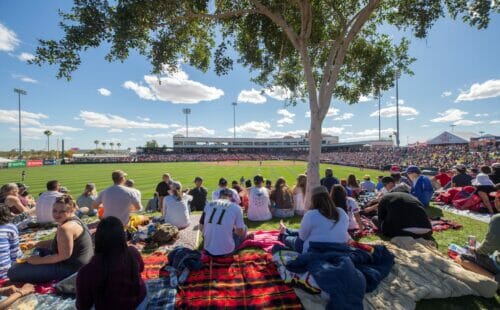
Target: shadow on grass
[(465, 302)]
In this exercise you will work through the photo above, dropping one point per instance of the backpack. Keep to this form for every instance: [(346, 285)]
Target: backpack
[(165, 233)]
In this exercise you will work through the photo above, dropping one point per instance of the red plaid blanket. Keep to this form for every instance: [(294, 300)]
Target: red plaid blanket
[(153, 264), (246, 281)]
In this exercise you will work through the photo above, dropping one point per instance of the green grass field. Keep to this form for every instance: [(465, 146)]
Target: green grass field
[(147, 175)]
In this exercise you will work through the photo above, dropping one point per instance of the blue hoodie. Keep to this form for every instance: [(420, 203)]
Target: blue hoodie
[(422, 189)]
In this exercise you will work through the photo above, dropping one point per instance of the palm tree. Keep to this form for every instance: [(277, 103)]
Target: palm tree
[(118, 145), (103, 145), (96, 142), (48, 133), (111, 144)]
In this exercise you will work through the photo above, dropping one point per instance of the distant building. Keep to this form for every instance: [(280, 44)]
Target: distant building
[(485, 140), (452, 138)]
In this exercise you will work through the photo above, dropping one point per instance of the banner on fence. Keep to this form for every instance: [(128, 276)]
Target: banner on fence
[(17, 164), (34, 163)]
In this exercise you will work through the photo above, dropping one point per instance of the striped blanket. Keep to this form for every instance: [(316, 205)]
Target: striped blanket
[(245, 281)]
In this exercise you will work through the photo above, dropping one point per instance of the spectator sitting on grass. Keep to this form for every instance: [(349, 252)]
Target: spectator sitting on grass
[(222, 186), (9, 241), (484, 186), (485, 259), (367, 185), (46, 201), (461, 177), (299, 195), (422, 187), (9, 197), (85, 201), (322, 223), (176, 207), (259, 203), (199, 194), (282, 200), (329, 180), (349, 205), (222, 225)]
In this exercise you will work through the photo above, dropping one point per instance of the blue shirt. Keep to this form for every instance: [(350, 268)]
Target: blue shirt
[(329, 182), (380, 185), (9, 247), (422, 190)]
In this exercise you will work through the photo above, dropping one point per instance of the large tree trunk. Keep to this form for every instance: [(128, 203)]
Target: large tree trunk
[(313, 160)]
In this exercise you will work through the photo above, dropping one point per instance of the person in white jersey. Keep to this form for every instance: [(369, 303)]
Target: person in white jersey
[(222, 225), (118, 200), (259, 203)]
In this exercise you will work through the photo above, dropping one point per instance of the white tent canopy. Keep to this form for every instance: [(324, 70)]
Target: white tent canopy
[(452, 138), (5, 160)]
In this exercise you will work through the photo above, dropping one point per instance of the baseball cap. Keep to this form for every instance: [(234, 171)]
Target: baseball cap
[(395, 169), (222, 182), (64, 190), (366, 177), (413, 169)]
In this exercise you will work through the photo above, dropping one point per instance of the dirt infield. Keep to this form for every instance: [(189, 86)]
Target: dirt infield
[(267, 163)]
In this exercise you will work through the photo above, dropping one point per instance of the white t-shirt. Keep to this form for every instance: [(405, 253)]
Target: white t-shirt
[(258, 204), (352, 208), (299, 201), (177, 211), (44, 206), (317, 228), (221, 217), (117, 200), (235, 197), (138, 196)]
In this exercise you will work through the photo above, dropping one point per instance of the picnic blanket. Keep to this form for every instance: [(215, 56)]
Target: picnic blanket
[(421, 272), (248, 280), (161, 296), (263, 239), (44, 302), (438, 224), (483, 217), (153, 264)]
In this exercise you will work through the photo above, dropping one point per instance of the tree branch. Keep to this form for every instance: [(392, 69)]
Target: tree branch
[(215, 16)]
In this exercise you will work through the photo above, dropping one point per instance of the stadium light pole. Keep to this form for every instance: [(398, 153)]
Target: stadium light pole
[(234, 119), (397, 75), (186, 111), (19, 93)]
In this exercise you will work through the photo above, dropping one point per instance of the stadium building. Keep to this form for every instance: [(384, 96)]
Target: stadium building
[(183, 144)]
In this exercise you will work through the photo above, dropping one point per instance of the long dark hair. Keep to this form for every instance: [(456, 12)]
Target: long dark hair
[(339, 196), (324, 204), (111, 245)]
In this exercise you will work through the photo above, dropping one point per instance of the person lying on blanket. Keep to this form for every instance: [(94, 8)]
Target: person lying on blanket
[(112, 279), (57, 259), (401, 214), (222, 225), (485, 259), (322, 223)]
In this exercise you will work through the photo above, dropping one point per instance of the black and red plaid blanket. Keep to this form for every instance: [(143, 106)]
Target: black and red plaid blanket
[(245, 281)]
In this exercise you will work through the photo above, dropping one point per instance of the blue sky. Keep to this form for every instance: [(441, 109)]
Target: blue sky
[(456, 81)]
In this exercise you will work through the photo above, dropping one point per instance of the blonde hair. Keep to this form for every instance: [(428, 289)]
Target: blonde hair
[(301, 183), (4, 191), (66, 200)]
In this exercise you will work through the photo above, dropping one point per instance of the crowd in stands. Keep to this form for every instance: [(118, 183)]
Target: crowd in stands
[(107, 271), (426, 157)]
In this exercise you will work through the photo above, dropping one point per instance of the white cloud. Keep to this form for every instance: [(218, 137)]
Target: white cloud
[(278, 92), (495, 122), (344, 117), (61, 128), (347, 125), (450, 115), (392, 102), (287, 117), (481, 115), (285, 113), (446, 94), (391, 112), (410, 119), (331, 112), (424, 126), (252, 127), (365, 98), (334, 131), (27, 118), (25, 56), (31, 133), (158, 135), (488, 89), (281, 134), (369, 132), (8, 39), (251, 96), (24, 78), (99, 120), (145, 119), (175, 87), (115, 130), (195, 131), (466, 122), (104, 92)]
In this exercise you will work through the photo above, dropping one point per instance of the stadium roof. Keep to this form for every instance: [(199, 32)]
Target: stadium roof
[(452, 138)]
